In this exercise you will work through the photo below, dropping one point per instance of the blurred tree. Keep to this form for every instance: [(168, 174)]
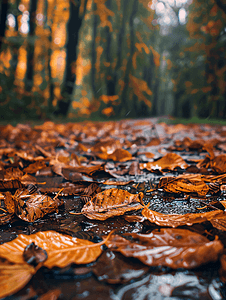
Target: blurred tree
[(123, 58), (117, 59), (3, 17)]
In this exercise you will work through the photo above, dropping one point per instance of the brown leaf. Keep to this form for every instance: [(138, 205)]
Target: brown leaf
[(62, 249), (110, 203), (13, 277), (12, 174), (175, 220), (33, 168), (9, 203), (118, 155), (51, 295), (174, 248), (168, 162), (32, 206), (10, 184), (184, 183), (5, 216)]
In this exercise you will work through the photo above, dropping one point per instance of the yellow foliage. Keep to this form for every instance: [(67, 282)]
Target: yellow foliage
[(106, 98), (103, 12), (108, 111), (99, 51), (84, 92), (22, 63), (37, 79), (156, 56), (83, 67), (139, 46), (139, 86)]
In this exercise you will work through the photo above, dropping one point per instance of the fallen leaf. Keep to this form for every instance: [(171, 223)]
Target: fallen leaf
[(10, 184), (174, 248), (31, 206), (168, 162), (13, 277), (118, 155), (62, 250), (110, 203), (12, 174), (33, 168), (51, 295), (9, 203), (184, 183), (175, 220)]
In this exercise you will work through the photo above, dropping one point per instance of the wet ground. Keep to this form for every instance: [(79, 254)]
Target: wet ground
[(113, 276)]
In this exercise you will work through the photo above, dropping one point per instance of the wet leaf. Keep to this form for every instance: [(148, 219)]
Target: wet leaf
[(168, 162), (174, 248), (13, 277), (33, 168), (10, 184), (117, 155), (216, 217), (62, 250), (31, 206), (110, 203), (184, 183), (9, 203)]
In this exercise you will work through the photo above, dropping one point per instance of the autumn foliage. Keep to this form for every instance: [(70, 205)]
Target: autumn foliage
[(151, 202), (109, 59)]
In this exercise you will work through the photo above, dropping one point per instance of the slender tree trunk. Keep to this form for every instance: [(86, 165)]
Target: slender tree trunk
[(3, 18), (30, 47), (73, 27)]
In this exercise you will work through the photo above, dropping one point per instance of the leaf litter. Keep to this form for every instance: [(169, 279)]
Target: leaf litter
[(110, 201)]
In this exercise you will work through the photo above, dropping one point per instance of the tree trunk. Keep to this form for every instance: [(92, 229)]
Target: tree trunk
[(3, 18)]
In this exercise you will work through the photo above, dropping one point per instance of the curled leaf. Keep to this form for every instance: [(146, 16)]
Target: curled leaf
[(174, 248), (184, 183), (32, 206), (110, 203), (175, 220)]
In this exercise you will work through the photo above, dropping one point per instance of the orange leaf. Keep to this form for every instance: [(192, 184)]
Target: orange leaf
[(117, 155), (110, 203), (184, 183), (13, 277), (62, 249), (168, 162), (174, 248), (32, 206), (175, 220)]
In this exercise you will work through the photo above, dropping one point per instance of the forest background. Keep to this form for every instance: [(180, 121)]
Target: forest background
[(112, 58)]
